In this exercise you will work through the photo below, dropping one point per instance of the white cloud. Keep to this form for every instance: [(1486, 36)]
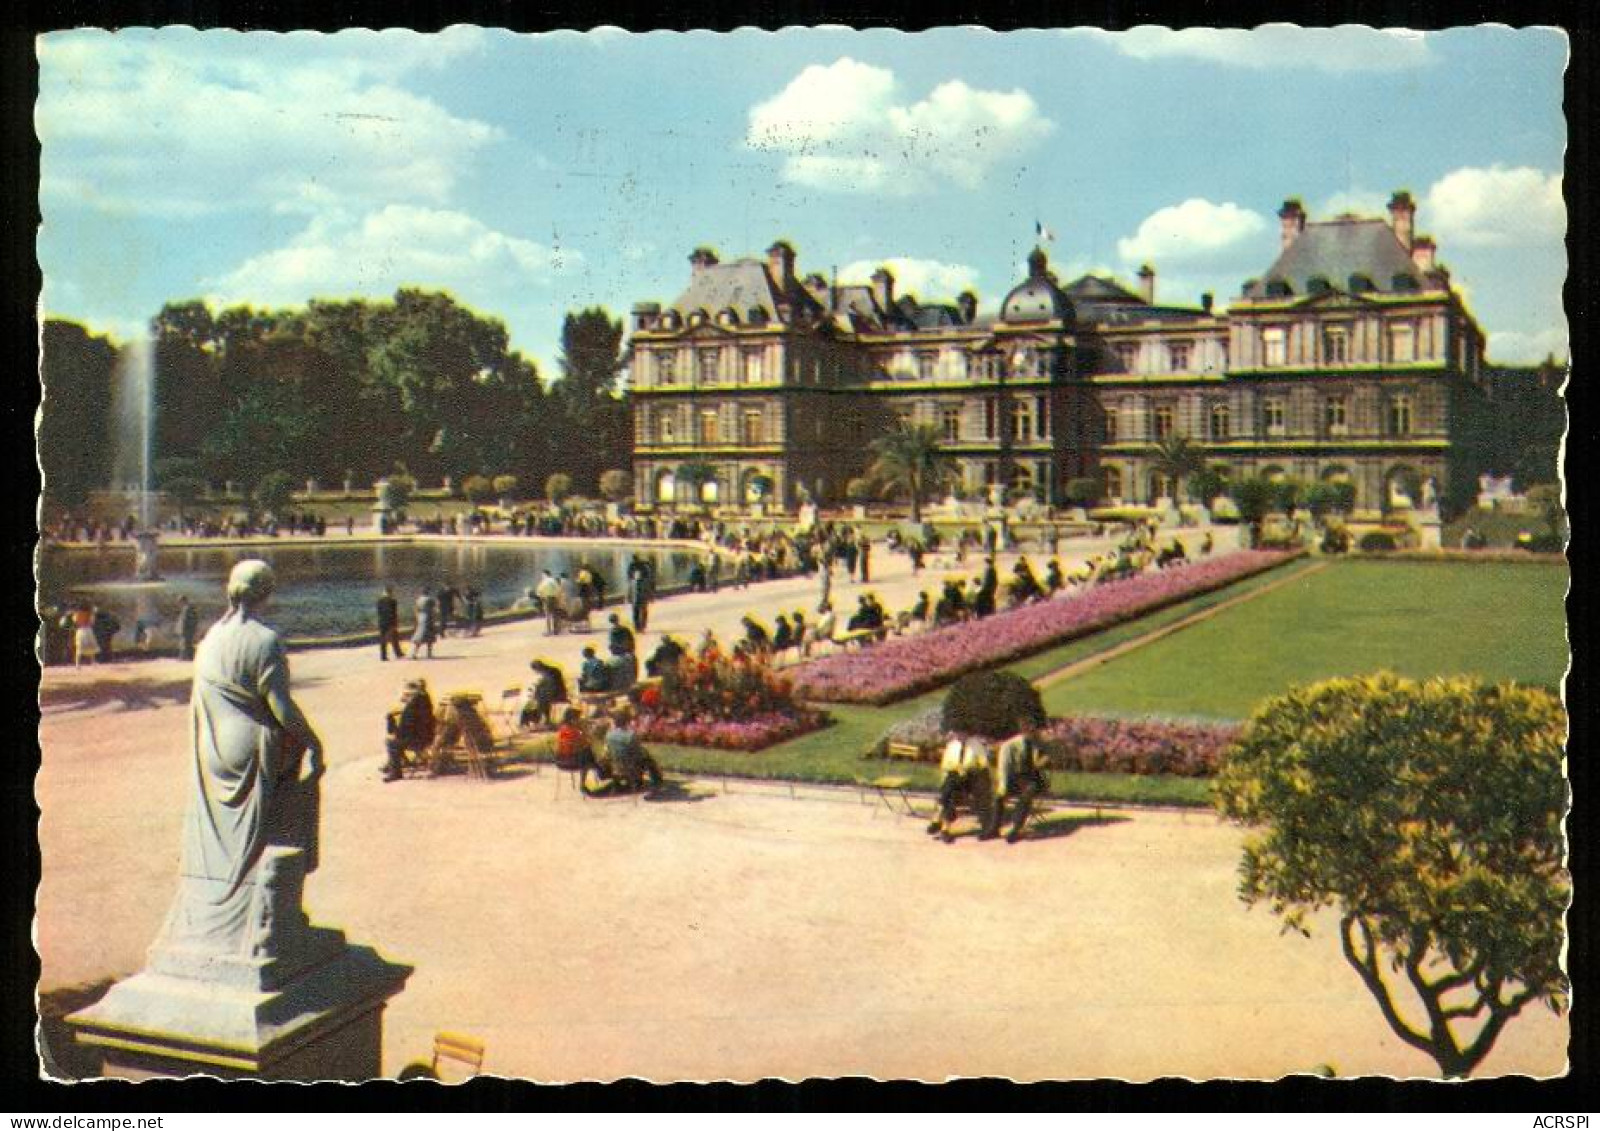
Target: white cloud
[(198, 123), (847, 127), (1280, 46), (1497, 205), (401, 245), (1514, 346), (1194, 232), (928, 279)]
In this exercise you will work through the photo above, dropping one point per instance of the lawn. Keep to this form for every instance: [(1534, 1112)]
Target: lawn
[(1498, 621)]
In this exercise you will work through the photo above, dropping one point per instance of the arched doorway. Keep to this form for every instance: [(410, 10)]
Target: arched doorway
[(1402, 487), (710, 491), (1272, 473), (1335, 473), (666, 486), (1111, 475)]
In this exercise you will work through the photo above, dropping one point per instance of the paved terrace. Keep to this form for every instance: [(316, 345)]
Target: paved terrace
[(736, 931)]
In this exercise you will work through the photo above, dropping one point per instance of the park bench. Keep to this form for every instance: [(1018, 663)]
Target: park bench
[(456, 1055), (890, 786)]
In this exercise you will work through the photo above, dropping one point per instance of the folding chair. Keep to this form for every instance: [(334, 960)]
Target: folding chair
[(459, 1055)]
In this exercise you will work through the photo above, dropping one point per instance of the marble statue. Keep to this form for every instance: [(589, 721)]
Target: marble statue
[(1430, 493), (253, 775)]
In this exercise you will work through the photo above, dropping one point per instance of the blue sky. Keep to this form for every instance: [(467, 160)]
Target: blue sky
[(532, 174)]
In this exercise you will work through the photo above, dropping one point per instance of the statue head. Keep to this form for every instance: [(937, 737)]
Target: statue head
[(250, 584)]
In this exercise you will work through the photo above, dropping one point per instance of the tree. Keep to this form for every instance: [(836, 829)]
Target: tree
[(1428, 815), (595, 420), (616, 484), (1545, 498), (1324, 499), (1254, 498), (859, 489), (1208, 483), (273, 493), (398, 489), (1177, 458), (558, 487), (476, 488), (1084, 492), (1287, 495), (74, 424), (178, 477), (909, 461), (993, 704), (505, 486)]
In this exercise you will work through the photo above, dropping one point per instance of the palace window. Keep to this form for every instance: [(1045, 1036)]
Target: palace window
[(1335, 346), (1402, 342), (1111, 425), (752, 427), (1274, 346), (950, 424), (1022, 420), (1127, 356), (1163, 421), (1272, 416), (1334, 416), (753, 367), (927, 365), (1400, 414), (666, 368), (1041, 417), (1113, 481), (707, 361), (708, 427), (1178, 357), (1219, 422), (666, 430), (990, 411)]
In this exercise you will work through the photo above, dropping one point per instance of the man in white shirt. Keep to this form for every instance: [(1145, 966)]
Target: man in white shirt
[(966, 768), (549, 594)]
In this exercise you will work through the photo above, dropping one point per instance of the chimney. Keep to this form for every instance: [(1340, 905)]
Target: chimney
[(1147, 284), (883, 288), (701, 258), (1402, 217), (645, 315), (967, 303), (1293, 215), (1422, 251), (1206, 302), (780, 265)]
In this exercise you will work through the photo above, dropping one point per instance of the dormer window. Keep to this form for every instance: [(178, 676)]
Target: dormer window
[(1360, 283), (1279, 288), (757, 316), (1318, 285), (728, 317), (1404, 282)]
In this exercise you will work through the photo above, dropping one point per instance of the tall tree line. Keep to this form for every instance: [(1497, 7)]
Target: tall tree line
[(340, 388)]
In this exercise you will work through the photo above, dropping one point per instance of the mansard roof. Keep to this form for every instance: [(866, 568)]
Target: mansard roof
[(1098, 299), (1347, 254), (743, 286)]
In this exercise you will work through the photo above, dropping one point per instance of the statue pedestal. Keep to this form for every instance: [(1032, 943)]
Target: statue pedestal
[(1428, 531), (301, 1004)]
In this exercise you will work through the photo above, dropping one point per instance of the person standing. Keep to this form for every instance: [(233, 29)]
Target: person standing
[(427, 630), (388, 624), (85, 644), (641, 583), (188, 626), (549, 594), (105, 628), (713, 571), (446, 604), (825, 572), (865, 558)]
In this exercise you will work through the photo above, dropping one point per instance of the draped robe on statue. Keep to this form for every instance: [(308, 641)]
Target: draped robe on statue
[(245, 791)]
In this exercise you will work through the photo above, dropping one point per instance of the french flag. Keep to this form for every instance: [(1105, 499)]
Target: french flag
[(1043, 233)]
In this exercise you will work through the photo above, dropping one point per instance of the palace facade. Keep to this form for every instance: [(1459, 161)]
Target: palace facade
[(1351, 357)]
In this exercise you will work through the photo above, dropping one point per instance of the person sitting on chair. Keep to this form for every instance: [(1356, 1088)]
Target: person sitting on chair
[(411, 727), (548, 688), (631, 763), (620, 638), (575, 752), (965, 766), (1019, 772), (593, 675), (622, 670), (782, 634)]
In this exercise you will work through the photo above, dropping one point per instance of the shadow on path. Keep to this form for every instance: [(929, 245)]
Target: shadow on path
[(63, 1057), (129, 694)]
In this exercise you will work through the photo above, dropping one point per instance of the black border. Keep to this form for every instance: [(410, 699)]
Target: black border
[(18, 848)]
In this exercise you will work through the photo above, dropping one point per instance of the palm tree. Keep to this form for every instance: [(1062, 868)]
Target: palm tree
[(910, 460), (1177, 458)]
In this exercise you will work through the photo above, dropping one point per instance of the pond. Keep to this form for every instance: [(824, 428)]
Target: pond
[(329, 590)]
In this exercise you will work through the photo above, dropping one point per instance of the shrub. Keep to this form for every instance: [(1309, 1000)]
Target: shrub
[(1082, 492), (273, 492), (1428, 816), (476, 488), (1336, 540), (558, 487), (505, 486), (1377, 542), (993, 705), (1542, 544), (859, 490), (616, 485)]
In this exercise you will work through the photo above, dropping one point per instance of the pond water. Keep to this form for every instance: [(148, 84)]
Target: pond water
[(329, 590)]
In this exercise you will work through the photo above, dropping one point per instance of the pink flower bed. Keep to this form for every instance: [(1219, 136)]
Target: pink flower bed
[(754, 732), (911, 665)]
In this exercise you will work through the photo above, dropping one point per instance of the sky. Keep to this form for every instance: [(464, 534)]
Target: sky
[(529, 175)]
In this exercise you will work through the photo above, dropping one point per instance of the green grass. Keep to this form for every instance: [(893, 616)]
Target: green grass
[(1497, 621)]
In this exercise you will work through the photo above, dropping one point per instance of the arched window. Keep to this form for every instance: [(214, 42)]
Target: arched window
[(709, 491), (666, 486)]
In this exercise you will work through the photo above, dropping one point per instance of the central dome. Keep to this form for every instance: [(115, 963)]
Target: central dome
[(1037, 298)]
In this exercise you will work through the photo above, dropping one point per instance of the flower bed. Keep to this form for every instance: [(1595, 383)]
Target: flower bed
[(911, 665), (753, 733), (726, 704), (1096, 744)]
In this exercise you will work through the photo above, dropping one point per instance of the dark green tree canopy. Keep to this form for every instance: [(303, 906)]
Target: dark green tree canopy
[(1428, 817)]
